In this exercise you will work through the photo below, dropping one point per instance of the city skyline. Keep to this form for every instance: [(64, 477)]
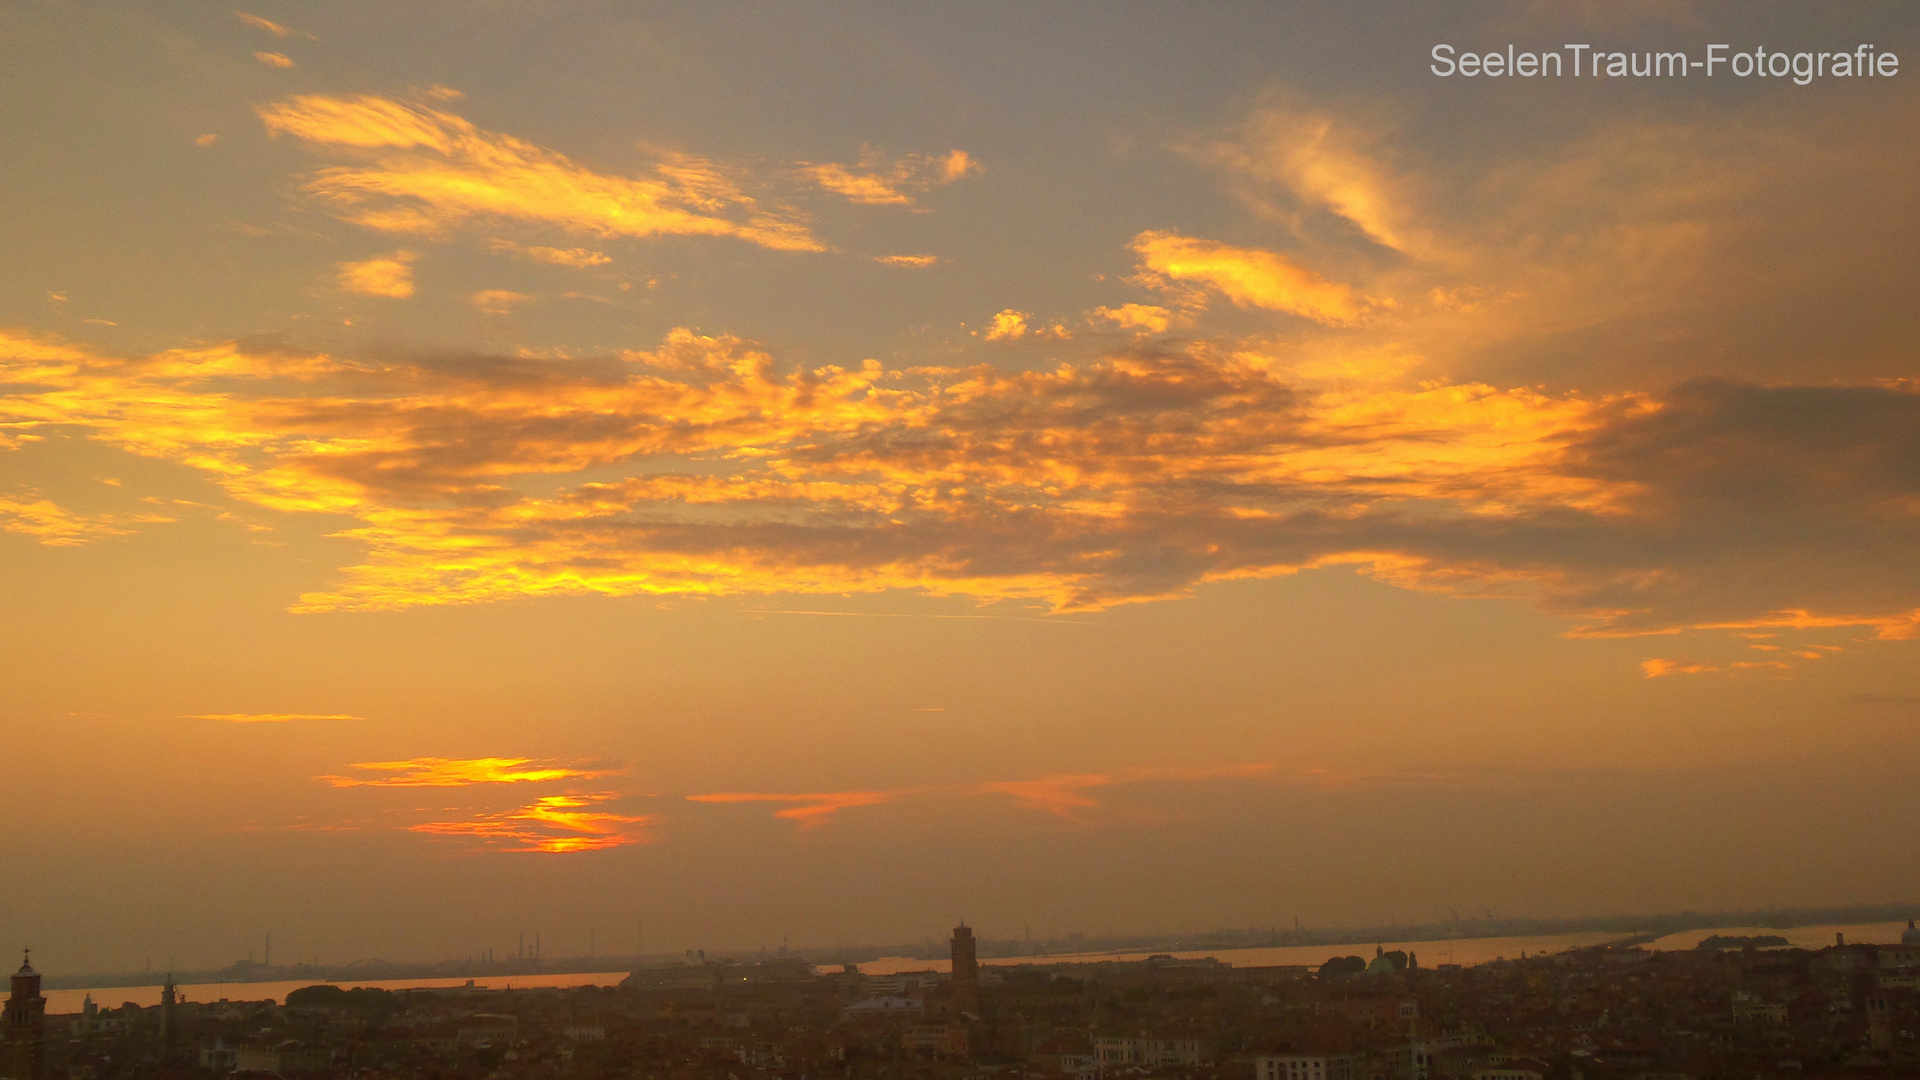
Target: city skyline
[(814, 474)]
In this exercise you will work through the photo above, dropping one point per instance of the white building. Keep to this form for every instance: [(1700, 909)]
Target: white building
[(1345, 1066), (1111, 1053)]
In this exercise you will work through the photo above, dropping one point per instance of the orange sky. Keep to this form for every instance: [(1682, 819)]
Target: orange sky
[(803, 474)]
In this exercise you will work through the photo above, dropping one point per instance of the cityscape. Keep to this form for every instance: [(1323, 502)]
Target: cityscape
[(959, 539), (1732, 1006)]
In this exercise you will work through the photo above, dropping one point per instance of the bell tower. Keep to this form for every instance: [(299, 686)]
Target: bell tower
[(966, 971), (25, 1023)]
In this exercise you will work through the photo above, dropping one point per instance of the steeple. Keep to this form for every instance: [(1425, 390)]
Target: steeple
[(24, 1020)]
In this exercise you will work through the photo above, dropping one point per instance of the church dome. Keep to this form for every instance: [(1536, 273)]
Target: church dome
[(1911, 936)]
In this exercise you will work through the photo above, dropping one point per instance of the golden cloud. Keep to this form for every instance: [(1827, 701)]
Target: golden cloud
[(580, 258), (1136, 476), (51, 524), (274, 59), (1325, 163), (389, 275), (875, 181), (271, 27), (1252, 278), (464, 772), (1142, 318), (422, 170), (554, 824), (1008, 325)]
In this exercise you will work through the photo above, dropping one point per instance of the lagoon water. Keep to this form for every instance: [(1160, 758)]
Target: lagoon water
[(112, 997)]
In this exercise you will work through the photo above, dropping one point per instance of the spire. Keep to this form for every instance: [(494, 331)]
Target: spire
[(26, 967)]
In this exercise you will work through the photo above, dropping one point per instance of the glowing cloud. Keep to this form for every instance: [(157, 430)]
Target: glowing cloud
[(1142, 318), (555, 824), (421, 170), (1009, 325), (51, 524), (1320, 162), (1136, 476), (274, 59), (464, 772), (1655, 669), (912, 261), (576, 257), (269, 26), (878, 182), (1251, 278), (389, 275)]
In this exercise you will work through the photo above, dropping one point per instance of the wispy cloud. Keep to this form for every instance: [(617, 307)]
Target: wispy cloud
[(499, 301), (576, 257), (809, 809), (271, 27), (1066, 796), (464, 772), (1251, 278), (416, 169), (274, 59), (1658, 668), (52, 524), (877, 181), (1070, 795)]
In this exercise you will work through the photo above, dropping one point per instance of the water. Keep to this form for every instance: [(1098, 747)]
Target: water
[(1463, 951), (111, 997)]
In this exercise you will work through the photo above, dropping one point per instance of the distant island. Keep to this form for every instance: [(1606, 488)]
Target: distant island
[(1729, 941)]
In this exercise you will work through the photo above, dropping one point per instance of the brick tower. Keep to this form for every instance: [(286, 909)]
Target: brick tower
[(25, 1022), (966, 972)]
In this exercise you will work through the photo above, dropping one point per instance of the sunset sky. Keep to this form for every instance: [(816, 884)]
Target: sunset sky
[(819, 471)]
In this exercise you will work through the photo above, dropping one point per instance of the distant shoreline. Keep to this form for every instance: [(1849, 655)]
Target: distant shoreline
[(1653, 930), (1654, 926)]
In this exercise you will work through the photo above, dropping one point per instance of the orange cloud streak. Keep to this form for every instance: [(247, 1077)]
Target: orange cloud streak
[(1252, 278), (462, 772), (1059, 795), (422, 170), (555, 824), (816, 808), (878, 182)]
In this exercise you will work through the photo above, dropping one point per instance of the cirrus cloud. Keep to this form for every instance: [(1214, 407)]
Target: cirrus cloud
[(416, 169)]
